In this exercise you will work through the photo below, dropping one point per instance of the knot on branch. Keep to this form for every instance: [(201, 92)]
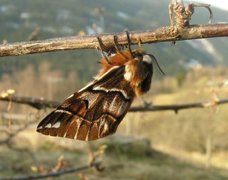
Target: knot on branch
[(180, 15), (183, 15), (214, 101)]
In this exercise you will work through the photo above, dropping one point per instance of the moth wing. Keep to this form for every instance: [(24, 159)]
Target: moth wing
[(93, 112)]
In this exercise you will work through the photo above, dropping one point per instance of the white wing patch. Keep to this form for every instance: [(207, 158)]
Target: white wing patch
[(128, 74), (112, 90), (56, 125), (48, 125)]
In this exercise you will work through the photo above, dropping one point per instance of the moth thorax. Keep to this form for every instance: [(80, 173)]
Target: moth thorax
[(132, 69)]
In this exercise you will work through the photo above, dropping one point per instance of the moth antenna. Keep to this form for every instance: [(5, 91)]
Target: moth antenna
[(116, 44), (129, 43), (155, 60), (101, 45)]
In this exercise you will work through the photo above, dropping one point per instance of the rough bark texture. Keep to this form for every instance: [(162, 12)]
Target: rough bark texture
[(168, 33)]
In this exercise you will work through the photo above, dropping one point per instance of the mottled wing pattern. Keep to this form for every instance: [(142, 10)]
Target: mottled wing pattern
[(93, 112)]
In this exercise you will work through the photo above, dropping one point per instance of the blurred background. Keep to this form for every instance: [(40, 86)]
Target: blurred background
[(191, 144)]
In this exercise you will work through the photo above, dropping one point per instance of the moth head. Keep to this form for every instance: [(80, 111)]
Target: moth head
[(139, 71), (147, 73)]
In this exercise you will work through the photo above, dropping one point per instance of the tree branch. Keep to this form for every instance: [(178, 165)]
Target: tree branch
[(42, 104), (96, 164), (178, 107), (168, 33), (34, 102), (12, 135)]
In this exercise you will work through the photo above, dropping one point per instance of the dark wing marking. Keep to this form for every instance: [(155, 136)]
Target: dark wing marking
[(94, 112)]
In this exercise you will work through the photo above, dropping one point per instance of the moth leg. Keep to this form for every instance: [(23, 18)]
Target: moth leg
[(101, 49), (129, 43), (139, 42), (117, 47), (116, 44)]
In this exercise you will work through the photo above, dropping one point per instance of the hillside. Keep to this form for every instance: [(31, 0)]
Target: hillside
[(66, 18)]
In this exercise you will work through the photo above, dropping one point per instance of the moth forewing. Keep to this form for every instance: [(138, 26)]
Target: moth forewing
[(96, 110)]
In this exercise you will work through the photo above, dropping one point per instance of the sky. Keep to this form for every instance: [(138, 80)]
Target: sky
[(223, 4)]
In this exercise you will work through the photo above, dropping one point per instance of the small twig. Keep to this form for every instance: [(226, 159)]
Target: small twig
[(34, 102), (94, 156), (12, 135), (54, 174), (34, 34), (178, 107), (42, 104), (180, 15), (207, 6), (162, 34)]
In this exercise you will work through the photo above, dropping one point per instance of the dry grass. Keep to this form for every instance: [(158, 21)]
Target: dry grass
[(120, 162)]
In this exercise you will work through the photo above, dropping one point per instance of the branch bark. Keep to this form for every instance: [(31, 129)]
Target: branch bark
[(167, 33), (38, 103), (42, 104), (178, 107), (55, 174)]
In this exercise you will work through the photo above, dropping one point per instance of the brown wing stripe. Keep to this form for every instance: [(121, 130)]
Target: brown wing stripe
[(53, 124), (72, 129), (75, 127), (83, 130), (106, 124), (93, 133)]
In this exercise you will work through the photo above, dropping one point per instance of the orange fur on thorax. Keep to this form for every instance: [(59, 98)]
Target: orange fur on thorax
[(118, 59), (115, 60)]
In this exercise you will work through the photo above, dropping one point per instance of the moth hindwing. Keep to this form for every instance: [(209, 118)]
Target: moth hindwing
[(96, 110)]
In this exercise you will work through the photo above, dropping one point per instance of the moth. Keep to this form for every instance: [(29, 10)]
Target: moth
[(96, 110)]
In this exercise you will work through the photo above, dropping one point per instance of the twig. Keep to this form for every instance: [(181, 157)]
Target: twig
[(178, 107), (34, 34), (42, 104), (12, 135), (34, 102), (167, 33), (54, 174)]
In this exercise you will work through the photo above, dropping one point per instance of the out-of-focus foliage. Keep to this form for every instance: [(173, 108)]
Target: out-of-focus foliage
[(189, 78)]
